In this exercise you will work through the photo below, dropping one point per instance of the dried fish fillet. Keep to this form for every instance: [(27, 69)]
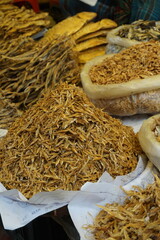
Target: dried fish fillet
[(93, 27), (62, 142), (93, 42), (70, 25), (91, 53), (99, 33)]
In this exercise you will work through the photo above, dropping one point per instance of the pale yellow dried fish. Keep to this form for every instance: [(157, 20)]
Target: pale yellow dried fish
[(70, 25), (91, 53), (93, 42), (93, 27), (99, 33)]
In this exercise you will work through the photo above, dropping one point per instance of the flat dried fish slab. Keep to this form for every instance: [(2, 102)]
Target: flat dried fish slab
[(99, 33), (93, 42), (93, 27), (70, 25), (91, 53), (62, 142)]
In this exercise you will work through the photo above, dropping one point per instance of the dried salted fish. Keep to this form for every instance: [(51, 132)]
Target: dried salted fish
[(137, 218), (29, 70), (62, 142), (141, 31)]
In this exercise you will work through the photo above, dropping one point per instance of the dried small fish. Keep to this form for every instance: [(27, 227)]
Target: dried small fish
[(141, 31), (62, 142), (137, 62), (137, 218)]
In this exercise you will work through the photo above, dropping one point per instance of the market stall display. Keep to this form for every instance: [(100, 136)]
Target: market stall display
[(64, 141), (59, 146), (130, 34), (126, 83), (149, 139)]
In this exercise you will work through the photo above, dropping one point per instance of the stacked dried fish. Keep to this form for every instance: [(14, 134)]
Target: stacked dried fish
[(18, 23), (90, 37), (137, 218), (62, 142), (26, 75)]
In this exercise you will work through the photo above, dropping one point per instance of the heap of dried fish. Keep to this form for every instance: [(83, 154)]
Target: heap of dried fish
[(19, 23), (141, 31), (137, 218), (137, 62), (62, 142), (26, 74)]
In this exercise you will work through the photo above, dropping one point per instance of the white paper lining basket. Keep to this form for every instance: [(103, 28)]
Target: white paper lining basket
[(13, 205), (83, 208)]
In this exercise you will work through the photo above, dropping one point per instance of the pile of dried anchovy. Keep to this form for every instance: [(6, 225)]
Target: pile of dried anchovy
[(62, 142), (137, 218), (137, 62)]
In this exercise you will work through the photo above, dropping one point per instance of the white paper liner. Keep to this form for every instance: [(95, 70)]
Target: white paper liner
[(83, 208), (13, 205)]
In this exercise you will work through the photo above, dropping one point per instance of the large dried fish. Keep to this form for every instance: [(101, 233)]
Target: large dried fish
[(62, 142)]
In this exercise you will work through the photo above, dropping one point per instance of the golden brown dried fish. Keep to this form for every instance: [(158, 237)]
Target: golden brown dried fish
[(25, 74), (62, 142)]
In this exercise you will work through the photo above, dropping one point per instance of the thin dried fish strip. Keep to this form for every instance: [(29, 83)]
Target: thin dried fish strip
[(62, 142), (25, 73), (20, 22)]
